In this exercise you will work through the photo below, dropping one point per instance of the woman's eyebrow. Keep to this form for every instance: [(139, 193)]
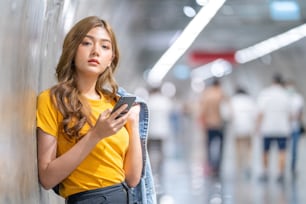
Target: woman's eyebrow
[(102, 39)]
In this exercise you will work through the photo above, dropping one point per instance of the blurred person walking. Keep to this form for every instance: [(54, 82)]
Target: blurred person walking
[(212, 121), (274, 123), (160, 127), (297, 106), (242, 125)]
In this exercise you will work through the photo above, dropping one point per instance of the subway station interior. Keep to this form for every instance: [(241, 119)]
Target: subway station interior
[(179, 46)]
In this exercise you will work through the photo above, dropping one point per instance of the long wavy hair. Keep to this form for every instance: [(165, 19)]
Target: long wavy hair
[(65, 95)]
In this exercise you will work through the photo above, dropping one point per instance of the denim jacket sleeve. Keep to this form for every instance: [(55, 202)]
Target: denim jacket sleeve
[(144, 192)]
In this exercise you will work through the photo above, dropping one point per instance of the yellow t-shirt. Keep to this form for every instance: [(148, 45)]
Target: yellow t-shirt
[(103, 166)]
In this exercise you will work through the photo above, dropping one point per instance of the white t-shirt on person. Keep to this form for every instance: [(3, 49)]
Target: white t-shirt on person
[(244, 113), (160, 109), (274, 104)]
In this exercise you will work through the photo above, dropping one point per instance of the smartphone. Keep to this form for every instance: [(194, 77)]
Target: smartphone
[(129, 100)]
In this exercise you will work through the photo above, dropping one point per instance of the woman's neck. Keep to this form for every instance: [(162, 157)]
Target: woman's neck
[(88, 89)]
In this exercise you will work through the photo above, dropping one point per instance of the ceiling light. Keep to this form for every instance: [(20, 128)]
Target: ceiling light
[(183, 42), (181, 71), (265, 47), (217, 68), (168, 89), (201, 2), (285, 10), (197, 85), (189, 11)]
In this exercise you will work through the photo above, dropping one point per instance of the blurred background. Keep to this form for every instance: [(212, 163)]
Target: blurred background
[(177, 46)]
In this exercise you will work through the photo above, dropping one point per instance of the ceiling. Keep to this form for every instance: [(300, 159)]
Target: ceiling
[(146, 28), (238, 24)]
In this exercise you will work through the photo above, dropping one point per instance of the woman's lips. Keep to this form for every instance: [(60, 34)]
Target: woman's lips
[(93, 61)]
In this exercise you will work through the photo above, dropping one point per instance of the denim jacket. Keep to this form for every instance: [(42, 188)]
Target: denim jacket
[(144, 192)]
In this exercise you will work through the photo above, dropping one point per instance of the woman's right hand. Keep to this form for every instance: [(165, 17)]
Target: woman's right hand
[(108, 124)]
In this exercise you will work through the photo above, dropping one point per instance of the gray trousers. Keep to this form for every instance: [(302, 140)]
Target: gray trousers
[(116, 194)]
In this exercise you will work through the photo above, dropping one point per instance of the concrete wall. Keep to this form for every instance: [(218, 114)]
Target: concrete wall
[(29, 44)]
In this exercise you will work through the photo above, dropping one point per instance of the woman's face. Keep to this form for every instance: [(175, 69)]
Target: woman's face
[(94, 54)]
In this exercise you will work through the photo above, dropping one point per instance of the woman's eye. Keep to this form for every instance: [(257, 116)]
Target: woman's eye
[(106, 47), (86, 43)]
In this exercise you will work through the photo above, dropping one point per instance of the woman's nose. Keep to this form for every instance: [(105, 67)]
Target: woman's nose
[(95, 50)]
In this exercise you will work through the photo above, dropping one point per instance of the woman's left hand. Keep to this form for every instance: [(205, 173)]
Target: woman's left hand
[(133, 114)]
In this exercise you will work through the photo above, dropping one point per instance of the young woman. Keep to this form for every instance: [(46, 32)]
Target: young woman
[(93, 155)]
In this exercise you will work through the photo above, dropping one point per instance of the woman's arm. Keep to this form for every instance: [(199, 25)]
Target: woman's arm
[(52, 170), (133, 159)]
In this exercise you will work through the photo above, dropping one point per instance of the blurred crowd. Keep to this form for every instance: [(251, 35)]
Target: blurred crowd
[(270, 121), (275, 116)]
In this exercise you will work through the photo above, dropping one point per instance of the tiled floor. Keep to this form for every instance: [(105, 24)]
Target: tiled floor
[(184, 180)]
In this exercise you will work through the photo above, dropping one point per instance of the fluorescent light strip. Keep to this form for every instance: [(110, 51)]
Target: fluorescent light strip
[(183, 42), (216, 68), (265, 47)]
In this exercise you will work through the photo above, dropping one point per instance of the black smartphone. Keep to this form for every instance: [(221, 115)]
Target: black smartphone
[(129, 100)]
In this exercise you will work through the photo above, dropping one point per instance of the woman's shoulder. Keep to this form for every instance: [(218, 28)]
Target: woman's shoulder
[(44, 93), (44, 96)]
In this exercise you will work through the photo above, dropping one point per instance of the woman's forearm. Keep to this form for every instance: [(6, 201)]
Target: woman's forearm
[(52, 172), (133, 161)]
